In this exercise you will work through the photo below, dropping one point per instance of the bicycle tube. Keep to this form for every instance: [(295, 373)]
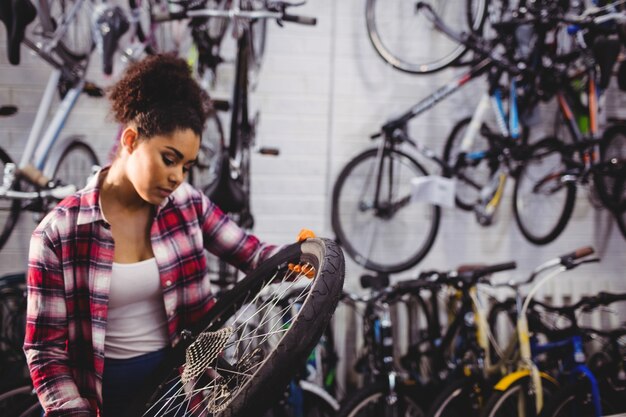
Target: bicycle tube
[(271, 366)]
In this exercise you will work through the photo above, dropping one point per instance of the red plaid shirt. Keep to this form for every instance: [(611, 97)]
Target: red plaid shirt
[(69, 272)]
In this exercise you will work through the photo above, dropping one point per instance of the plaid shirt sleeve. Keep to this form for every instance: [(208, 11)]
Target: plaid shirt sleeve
[(46, 339), (225, 239)]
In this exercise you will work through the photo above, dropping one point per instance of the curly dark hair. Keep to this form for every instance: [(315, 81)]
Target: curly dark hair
[(160, 96)]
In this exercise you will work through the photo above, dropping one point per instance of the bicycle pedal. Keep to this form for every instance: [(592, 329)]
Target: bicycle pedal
[(8, 110), (221, 105), (269, 151)]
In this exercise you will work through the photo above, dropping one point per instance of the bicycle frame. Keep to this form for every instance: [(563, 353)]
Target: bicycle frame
[(394, 131), (40, 146)]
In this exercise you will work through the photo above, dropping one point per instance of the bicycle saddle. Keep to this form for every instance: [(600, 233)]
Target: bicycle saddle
[(16, 15), (111, 23)]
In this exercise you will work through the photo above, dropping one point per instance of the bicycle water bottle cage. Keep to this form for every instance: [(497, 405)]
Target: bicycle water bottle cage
[(109, 24), (16, 15)]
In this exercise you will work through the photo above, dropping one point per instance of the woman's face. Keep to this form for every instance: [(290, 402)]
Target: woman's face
[(156, 166)]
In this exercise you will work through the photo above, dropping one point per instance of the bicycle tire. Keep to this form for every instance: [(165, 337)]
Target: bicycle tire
[(20, 402), (505, 403), (462, 397), (204, 175), (577, 396), (398, 21), (75, 164), (271, 373), (472, 178), (371, 401), (539, 183), (347, 208), (78, 42), (9, 208), (609, 179)]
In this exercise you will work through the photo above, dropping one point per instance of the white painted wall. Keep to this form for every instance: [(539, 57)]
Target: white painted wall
[(321, 93)]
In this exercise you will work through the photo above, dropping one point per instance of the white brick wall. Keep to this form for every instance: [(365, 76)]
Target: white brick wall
[(321, 93)]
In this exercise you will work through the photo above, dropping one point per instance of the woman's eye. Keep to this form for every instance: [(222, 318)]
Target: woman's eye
[(168, 161)]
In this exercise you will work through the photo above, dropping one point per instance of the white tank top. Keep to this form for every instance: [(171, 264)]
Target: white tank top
[(136, 321)]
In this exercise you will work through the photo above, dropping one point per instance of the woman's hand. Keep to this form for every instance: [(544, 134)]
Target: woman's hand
[(306, 270)]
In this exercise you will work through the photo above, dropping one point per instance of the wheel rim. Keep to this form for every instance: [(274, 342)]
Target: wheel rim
[(398, 233), (252, 367), (75, 166), (541, 195), (395, 26)]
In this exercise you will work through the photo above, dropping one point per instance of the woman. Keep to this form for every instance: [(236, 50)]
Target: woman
[(118, 270)]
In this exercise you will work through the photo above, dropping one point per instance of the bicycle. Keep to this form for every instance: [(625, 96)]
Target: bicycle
[(51, 168), (373, 192), (229, 364), (598, 388), (524, 391), (436, 357), (545, 192)]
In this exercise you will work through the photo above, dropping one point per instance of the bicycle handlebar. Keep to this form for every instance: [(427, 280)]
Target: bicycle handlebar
[(568, 258), (275, 10)]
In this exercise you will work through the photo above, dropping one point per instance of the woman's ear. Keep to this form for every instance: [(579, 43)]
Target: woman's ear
[(128, 139)]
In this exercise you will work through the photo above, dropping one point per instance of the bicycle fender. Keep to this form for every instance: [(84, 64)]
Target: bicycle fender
[(509, 379)]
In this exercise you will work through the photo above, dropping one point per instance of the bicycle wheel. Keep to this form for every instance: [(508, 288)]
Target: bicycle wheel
[(408, 41), (575, 399), (471, 176), (462, 397), (372, 401), (204, 174), (9, 209), (543, 199), (77, 40), (389, 235), (75, 164), (20, 402), (608, 178), (517, 399), (231, 365)]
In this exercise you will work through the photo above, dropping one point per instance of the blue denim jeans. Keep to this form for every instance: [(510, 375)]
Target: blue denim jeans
[(123, 378)]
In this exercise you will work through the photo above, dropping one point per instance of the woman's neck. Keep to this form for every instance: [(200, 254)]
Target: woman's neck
[(117, 191)]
